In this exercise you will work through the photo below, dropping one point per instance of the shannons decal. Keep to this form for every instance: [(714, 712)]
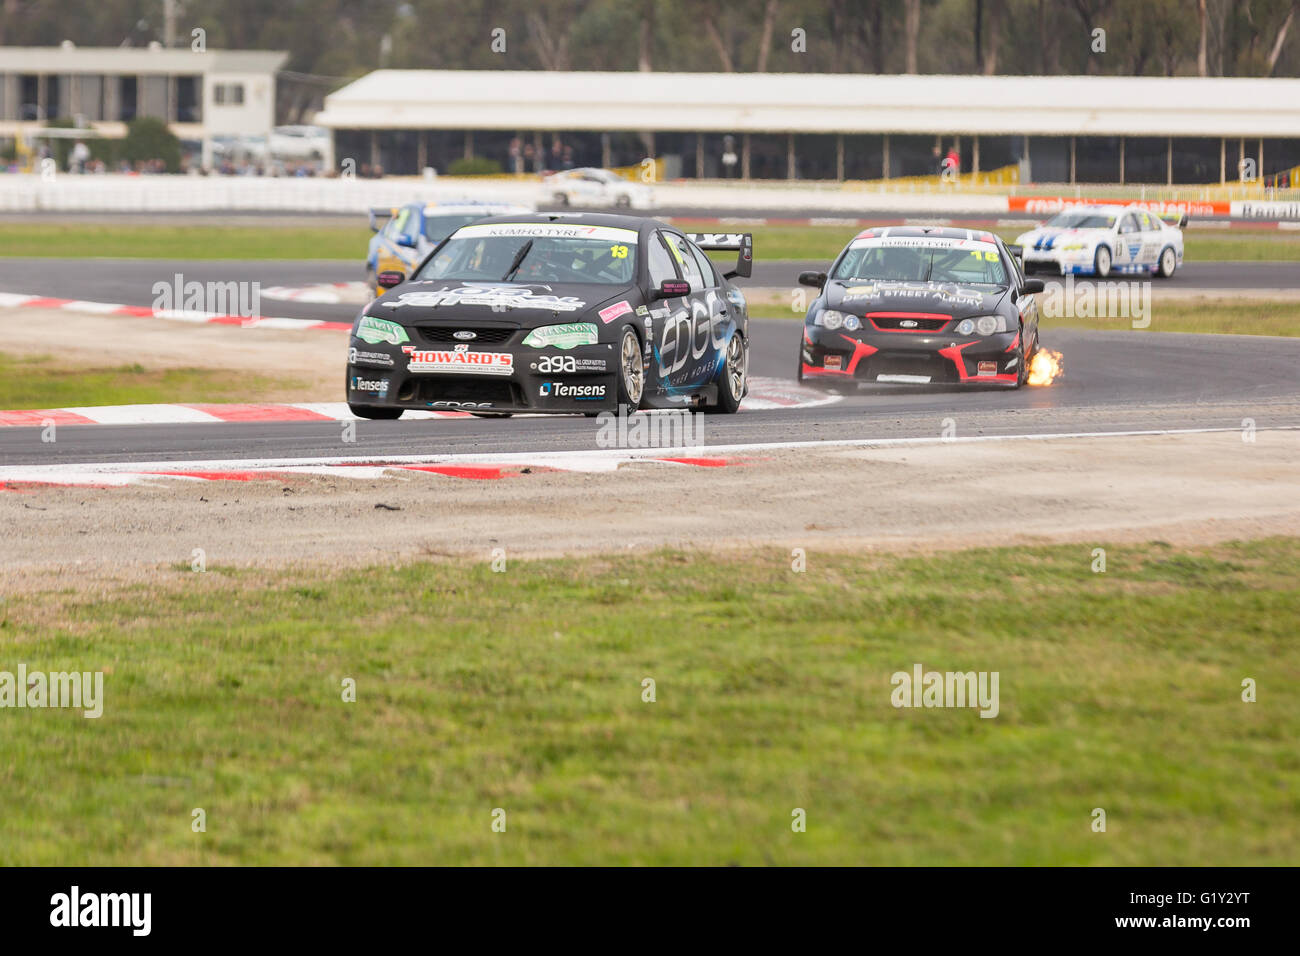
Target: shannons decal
[(459, 360), (373, 331), (495, 297), (567, 336)]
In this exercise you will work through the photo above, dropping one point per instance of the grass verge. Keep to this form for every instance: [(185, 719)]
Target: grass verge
[(38, 381), (524, 691), (79, 241)]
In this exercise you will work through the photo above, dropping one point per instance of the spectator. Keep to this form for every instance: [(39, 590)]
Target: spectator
[(78, 157), (952, 161)]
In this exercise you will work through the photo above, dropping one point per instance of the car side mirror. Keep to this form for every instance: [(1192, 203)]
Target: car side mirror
[(672, 289), (386, 280), (815, 279), (1033, 285), (405, 240)]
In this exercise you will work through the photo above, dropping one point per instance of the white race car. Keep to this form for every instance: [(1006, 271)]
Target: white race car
[(596, 188), (1101, 240)]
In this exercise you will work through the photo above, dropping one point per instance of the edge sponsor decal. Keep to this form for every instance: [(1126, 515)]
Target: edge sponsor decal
[(459, 360), (579, 393), (610, 313), (447, 404), (567, 336), (372, 331)]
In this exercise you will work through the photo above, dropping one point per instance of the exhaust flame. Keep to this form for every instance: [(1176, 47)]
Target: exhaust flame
[(1045, 367)]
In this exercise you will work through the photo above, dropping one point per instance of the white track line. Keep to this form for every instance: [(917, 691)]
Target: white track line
[(597, 459)]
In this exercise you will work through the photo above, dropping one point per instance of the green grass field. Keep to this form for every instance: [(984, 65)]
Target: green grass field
[(39, 381), (75, 241), (524, 691)]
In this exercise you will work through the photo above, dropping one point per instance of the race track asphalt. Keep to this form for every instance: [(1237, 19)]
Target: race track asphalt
[(131, 281), (1113, 381)]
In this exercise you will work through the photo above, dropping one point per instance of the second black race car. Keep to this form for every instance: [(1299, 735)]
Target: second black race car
[(556, 313), (919, 304)]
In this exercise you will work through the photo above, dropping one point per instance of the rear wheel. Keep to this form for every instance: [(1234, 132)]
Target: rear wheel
[(631, 370), (1101, 263), (733, 376), (1168, 262)]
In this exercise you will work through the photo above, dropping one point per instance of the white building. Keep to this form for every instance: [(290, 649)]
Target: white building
[(828, 126), (199, 94)]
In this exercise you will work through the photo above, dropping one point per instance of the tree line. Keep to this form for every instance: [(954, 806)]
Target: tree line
[(335, 40)]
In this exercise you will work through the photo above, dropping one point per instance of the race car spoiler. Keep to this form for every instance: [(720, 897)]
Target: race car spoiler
[(742, 242), (377, 216)]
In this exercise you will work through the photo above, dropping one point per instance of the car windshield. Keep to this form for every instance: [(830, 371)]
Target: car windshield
[(923, 260), (439, 227), (558, 253), (1081, 220)]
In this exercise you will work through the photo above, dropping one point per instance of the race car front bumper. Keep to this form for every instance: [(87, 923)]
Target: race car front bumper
[(505, 377), (912, 359)]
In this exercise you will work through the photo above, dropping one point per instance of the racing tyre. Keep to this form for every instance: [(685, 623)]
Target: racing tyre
[(631, 370), (1101, 263), (561, 199), (623, 202), (375, 412), (1168, 262), (733, 376)]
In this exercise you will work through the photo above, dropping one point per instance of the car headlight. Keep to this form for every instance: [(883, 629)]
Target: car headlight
[(984, 325), (830, 319), (1073, 247)]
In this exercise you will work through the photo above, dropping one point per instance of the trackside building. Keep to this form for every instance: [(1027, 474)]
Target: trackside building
[(1064, 129)]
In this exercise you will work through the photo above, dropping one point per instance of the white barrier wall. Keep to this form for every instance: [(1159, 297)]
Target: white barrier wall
[(144, 194)]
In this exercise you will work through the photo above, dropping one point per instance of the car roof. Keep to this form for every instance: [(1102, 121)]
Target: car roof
[(613, 220), (924, 232)]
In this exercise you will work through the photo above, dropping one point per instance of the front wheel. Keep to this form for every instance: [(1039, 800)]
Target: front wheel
[(1168, 262), (733, 376), (375, 412), (631, 370), (1101, 263)]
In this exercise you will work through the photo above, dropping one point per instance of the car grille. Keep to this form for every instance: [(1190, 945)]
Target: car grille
[(894, 323), (483, 335), (453, 388)]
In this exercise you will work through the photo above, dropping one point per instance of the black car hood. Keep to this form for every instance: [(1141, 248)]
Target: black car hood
[(527, 304), (860, 296)]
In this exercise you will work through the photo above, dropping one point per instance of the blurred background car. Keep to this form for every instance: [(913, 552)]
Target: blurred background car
[(589, 187), (412, 231)]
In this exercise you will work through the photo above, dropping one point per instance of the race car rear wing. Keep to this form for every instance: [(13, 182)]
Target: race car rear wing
[(379, 215), (742, 242)]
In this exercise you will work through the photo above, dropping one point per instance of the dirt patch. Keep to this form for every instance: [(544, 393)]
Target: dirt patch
[(1193, 489)]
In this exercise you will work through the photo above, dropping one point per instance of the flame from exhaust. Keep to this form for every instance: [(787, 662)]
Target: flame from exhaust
[(1045, 367)]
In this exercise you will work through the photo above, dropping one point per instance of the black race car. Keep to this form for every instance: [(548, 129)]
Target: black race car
[(918, 304), (556, 313)]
